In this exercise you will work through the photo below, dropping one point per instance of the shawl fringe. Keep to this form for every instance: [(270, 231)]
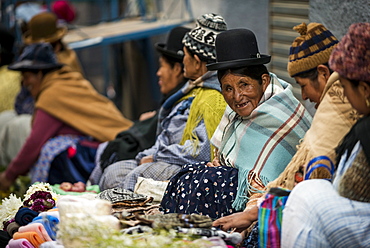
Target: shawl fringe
[(209, 106), (244, 181)]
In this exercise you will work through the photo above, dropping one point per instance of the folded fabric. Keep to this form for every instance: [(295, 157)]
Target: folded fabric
[(36, 227), (19, 243), (75, 204), (4, 238), (92, 189), (148, 186), (12, 228), (51, 244), (77, 229), (25, 216), (52, 212), (32, 237), (50, 224), (115, 195)]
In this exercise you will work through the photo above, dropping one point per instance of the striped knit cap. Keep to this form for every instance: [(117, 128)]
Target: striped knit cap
[(351, 58), (312, 48), (201, 39)]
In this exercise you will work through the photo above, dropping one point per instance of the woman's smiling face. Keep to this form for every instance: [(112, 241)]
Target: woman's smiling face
[(243, 93)]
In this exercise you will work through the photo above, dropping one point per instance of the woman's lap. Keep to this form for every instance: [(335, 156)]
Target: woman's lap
[(125, 173), (114, 174), (203, 190)]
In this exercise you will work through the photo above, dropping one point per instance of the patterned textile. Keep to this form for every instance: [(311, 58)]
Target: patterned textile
[(316, 216), (52, 148), (262, 144), (270, 215), (170, 221), (251, 241), (351, 58), (202, 190), (201, 39), (115, 195), (262, 139)]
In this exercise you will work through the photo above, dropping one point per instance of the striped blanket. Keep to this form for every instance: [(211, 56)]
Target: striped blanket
[(262, 144)]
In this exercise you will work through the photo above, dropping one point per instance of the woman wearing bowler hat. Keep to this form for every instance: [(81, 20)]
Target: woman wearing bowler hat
[(44, 27), (69, 121), (255, 139), (143, 133), (187, 119)]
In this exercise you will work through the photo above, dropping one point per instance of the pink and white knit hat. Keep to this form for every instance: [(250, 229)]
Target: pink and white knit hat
[(351, 57)]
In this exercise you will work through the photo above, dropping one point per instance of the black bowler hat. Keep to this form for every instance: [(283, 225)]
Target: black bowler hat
[(237, 48), (37, 56), (173, 46)]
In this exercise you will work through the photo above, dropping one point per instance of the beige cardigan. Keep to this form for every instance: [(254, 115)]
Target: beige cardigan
[(332, 121)]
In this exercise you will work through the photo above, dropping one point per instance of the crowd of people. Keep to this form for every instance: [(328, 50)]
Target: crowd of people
[(227, 134)]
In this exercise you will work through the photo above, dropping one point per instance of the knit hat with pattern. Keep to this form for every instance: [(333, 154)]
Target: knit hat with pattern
[(201, 39), (351, 58), (312, 48)]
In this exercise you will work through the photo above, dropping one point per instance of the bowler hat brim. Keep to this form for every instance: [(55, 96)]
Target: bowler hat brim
[(25, 65), (161, 48), (59, 34), (238, 63)]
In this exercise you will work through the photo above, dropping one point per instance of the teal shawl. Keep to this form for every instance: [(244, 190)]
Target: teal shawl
[(262, 144)]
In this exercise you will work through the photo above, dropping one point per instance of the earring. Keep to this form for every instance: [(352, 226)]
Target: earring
[(367, 102)]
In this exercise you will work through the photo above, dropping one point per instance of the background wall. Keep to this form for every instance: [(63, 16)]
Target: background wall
[(250, 14), (338, 15), (140, 92)]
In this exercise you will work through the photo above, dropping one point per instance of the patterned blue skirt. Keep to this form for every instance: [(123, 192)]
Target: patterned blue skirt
[(202, 190)]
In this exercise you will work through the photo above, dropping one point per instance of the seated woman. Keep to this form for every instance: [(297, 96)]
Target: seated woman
[(10, 84), (323, 214), (42, 27), (333, 118), (70, 119), (256, 137), (187, 119), (143, 133)]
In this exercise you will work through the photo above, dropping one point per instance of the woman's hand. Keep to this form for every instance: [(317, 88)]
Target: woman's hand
[(147, 115), (5, 183), (147, 159), (239, 221), (214, 163)]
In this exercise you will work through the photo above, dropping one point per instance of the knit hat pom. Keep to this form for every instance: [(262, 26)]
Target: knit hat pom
[(301, 28), (311, 48)]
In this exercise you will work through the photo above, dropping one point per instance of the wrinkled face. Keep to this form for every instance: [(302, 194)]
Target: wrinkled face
[(310, 90), (32, 81), (355, 97), (167, 76), (242, 93), (189, 62)]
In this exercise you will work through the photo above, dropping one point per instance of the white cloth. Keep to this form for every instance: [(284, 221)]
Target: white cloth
[(316, 216), (153, 188), (14, 130)]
